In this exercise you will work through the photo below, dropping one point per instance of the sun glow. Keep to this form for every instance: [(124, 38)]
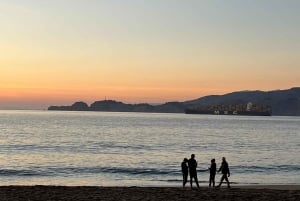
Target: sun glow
[(61, 52)]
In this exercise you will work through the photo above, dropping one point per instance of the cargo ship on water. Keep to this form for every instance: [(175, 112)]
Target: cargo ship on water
[(248, 109)]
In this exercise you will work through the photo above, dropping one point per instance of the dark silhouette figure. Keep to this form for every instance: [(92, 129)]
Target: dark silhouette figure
[(185, 171), (212, 172), (193, 170), (225, 172)]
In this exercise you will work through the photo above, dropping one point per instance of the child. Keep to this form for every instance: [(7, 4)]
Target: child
[(212, 172), (184, 170)]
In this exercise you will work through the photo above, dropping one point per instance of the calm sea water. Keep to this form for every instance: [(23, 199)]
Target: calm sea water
[(127, 149)]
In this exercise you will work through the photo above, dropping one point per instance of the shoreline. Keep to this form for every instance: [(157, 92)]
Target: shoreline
[(91, 193), (224, 185)]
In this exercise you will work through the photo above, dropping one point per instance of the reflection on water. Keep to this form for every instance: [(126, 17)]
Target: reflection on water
[(98, 148)]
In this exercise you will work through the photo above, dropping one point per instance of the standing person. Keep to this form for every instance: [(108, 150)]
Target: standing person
[(225, 172), (193, 170), (185, 171), (212, 172)]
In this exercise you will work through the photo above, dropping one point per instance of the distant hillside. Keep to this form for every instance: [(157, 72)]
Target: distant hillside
[(283, 102), (115, 106)]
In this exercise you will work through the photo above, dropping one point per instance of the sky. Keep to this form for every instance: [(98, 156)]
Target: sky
[(135, 51)]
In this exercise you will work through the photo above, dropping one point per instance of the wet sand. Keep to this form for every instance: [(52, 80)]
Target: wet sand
[(84, 193)]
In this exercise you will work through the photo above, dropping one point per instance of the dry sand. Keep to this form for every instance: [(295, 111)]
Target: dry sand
[(59, 193)]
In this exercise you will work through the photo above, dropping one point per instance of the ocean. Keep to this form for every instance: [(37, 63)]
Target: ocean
[(144, 149)]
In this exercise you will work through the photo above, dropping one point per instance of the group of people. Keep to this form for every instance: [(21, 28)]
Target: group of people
[(189, 167)]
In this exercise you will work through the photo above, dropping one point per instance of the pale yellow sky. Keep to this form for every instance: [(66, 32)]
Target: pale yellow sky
[(58, 52)]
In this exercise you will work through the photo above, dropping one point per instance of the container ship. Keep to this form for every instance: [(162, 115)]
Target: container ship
[(248, 109)]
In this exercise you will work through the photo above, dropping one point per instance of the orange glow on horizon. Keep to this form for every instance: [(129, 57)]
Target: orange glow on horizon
[(143, 52), (41, 98)]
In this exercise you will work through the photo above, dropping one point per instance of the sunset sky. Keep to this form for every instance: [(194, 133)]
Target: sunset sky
[(56, 52)]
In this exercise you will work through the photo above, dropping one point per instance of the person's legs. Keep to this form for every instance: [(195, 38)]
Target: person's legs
[(221, 181), (191, 180), (184, 179), (213, 180), (226, 179), (210, 181), (196, 180)]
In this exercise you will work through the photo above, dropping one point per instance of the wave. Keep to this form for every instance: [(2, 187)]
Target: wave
[(73, 147), (133, 171), (263, 169), (65, 171)]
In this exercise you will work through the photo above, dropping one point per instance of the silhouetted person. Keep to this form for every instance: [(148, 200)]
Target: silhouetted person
[(225, 172), (184, 170), (193, 172), (212, 172)]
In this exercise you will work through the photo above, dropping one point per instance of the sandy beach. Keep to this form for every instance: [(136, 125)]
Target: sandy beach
[(84, 193)]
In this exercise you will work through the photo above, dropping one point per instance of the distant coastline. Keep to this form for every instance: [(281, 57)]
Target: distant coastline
[(283, 103), (115, 106)]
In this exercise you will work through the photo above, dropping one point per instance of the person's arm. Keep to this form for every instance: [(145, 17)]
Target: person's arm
[(220, 168), (228, 171)]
